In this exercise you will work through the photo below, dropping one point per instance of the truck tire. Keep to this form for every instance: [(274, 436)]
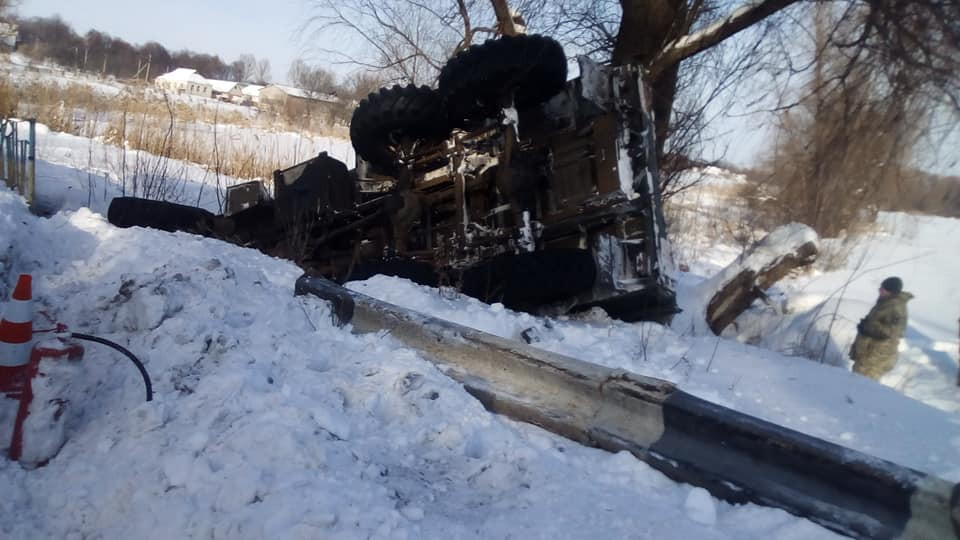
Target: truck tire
[(475, 81), (166, 216), (411, 113)]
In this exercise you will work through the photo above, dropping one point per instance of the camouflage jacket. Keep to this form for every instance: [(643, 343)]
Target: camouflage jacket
[(880, 331)]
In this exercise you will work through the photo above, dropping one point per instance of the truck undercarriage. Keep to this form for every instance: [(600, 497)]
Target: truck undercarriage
[(507, 182)]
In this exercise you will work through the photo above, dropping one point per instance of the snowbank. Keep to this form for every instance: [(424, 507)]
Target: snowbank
[(813, 398), (270, 422)]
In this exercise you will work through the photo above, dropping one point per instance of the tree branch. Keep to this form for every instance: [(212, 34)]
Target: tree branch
[(691, 44)]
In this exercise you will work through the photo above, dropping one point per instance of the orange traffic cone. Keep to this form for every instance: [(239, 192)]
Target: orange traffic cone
[(16, 327)]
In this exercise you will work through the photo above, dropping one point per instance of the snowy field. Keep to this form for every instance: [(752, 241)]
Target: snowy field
[(75, 172), (19, 69), (816, 312), (270, 422)]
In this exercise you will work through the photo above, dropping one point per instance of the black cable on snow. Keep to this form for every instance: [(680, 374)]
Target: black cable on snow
[(125, 352)]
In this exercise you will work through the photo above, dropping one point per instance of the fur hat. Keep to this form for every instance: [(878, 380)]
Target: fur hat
[(892, 284)]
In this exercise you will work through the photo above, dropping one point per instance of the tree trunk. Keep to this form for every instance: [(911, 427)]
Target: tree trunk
[(645, 28), (656, 34)]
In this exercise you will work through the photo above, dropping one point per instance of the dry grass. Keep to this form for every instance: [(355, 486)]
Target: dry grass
[(161, 132), (141, 119), (9, 100)]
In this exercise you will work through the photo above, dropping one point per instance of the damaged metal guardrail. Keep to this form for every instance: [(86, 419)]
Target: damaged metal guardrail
[(736, 457)]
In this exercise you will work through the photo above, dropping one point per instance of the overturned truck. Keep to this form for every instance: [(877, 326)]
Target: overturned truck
[(507, 182)]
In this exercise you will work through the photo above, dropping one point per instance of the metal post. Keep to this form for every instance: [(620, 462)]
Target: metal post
[(3, 146), (22, 167), (32, 165), (10, 149)]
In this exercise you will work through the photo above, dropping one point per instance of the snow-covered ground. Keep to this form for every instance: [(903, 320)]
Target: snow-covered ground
[(18, 69), (269, 421), (815, 313)]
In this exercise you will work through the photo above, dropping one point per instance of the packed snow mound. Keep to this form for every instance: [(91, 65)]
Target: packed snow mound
[(269, 422)]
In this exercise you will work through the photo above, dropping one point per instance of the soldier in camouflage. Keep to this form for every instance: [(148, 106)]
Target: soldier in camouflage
[(874, 352)]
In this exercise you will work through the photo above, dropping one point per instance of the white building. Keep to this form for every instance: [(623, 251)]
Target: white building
[(225, 90), (251, 93), (184, 81), (8, 36)]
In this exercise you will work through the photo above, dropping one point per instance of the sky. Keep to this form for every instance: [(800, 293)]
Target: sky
[(227, 28)]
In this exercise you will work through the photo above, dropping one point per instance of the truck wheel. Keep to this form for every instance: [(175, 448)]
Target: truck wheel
[(166, 216), (475, 81), (394, 121)]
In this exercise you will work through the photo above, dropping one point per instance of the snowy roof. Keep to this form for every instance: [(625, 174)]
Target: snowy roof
[(305, 94), (291, 91), (222, 86), (185, 75), (252, 90)]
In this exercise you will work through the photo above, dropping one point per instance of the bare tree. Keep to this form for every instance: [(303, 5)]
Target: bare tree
[(408, 39), (314, 79), (262, 72), (674, 39), (244, 68), (361, 83), (842, 152)]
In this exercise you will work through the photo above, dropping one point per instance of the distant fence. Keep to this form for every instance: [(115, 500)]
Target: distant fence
[(18, 156)]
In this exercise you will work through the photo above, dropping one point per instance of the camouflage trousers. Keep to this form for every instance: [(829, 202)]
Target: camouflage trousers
[(873, 357), (874, 366)]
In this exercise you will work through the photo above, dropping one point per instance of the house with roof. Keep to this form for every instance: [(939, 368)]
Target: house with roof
[(8, 36), (226, 90), (250, 94), (295, 101), (184, 81)]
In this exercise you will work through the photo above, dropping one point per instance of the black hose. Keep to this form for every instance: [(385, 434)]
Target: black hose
[(125, 352)]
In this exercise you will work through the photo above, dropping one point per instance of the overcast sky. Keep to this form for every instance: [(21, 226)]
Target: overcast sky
[(228, 28)]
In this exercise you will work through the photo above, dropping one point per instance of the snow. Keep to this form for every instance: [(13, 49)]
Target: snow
[(75, 172), (183, 75), (701, 507), (829, 302), (222, 86), (305, 94), (252, 90), (270, 422), (766, 253), (813, 398), (18, 69)]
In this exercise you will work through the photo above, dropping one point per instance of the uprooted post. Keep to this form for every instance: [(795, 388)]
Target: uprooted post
[(733, 289)]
